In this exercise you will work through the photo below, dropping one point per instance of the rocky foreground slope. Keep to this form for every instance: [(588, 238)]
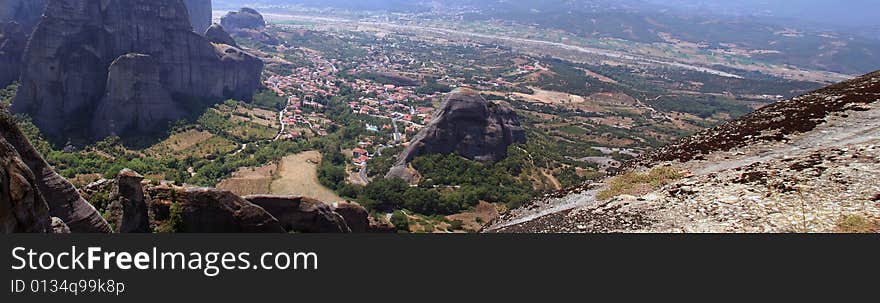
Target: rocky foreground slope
[(468, 125), (809, 164), (124, 67)]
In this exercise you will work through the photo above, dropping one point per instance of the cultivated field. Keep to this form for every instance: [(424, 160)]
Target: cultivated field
[(298, 175)]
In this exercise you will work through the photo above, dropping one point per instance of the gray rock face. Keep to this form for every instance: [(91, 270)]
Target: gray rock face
[(12, 43), (200, 14), (58, 226), (356, 216), (246, 18), (22, 208), (36, 180), (66, 77), (249, 24), (298, 214), (207, 210), (216, 34), (128, 209), (26, 13), (467, 125)]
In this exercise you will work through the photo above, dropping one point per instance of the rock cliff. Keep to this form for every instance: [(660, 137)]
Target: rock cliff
[(207, 210), (31, 188), (201, 14), (249, 24), (467, 125), (121, 67), (12, 43), (299, 214)]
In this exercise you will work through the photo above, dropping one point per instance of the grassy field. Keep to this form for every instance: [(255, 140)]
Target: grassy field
[(298, 175), (250, 180)]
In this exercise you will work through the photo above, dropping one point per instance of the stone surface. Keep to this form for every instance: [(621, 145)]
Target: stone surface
[(128, 206), (84, 53), (246, 18), (22, 208), (62, 197), (200, 14), (217, 34), (58, 226), (27, 13), (12, 44), (355, 215), (298, 214), (249, 24), (467, 125), (208, 210), (804, 165)]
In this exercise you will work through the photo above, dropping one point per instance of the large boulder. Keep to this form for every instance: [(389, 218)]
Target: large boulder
[(299, 214), (247, 23), (128, 206), (61, 197), (217, 34), (208, 210), (467, 125), (22, 208), (200, 14), (245, 18), (84, 53), (356, 216)]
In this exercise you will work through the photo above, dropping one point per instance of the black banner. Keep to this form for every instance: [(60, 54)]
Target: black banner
[(376, 268)]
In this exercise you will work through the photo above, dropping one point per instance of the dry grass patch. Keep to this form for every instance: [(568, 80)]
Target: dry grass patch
[(857, 224), (639, 183)]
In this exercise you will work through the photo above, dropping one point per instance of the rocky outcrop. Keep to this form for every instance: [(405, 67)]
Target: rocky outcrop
[(200, 14), (808, 164), (298, 214), (246, 18), (356, 216), (12, 43), (249, 24), (33, 177), (217, 34), (467, 125), (17, 20), (85, 55), (207, 210), (26, 13), (58, 226), (128, 206), (22, 208)]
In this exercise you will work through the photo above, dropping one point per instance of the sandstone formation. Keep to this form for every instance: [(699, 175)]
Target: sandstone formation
[(17, 20), (206, 210), (298, 214), (216, 34), (356, 216), (201, 13), (12, 43), (123, 67), (467, 125), (249, 24), (128, 206), (246, 18), (35, 188), (22, 208)]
